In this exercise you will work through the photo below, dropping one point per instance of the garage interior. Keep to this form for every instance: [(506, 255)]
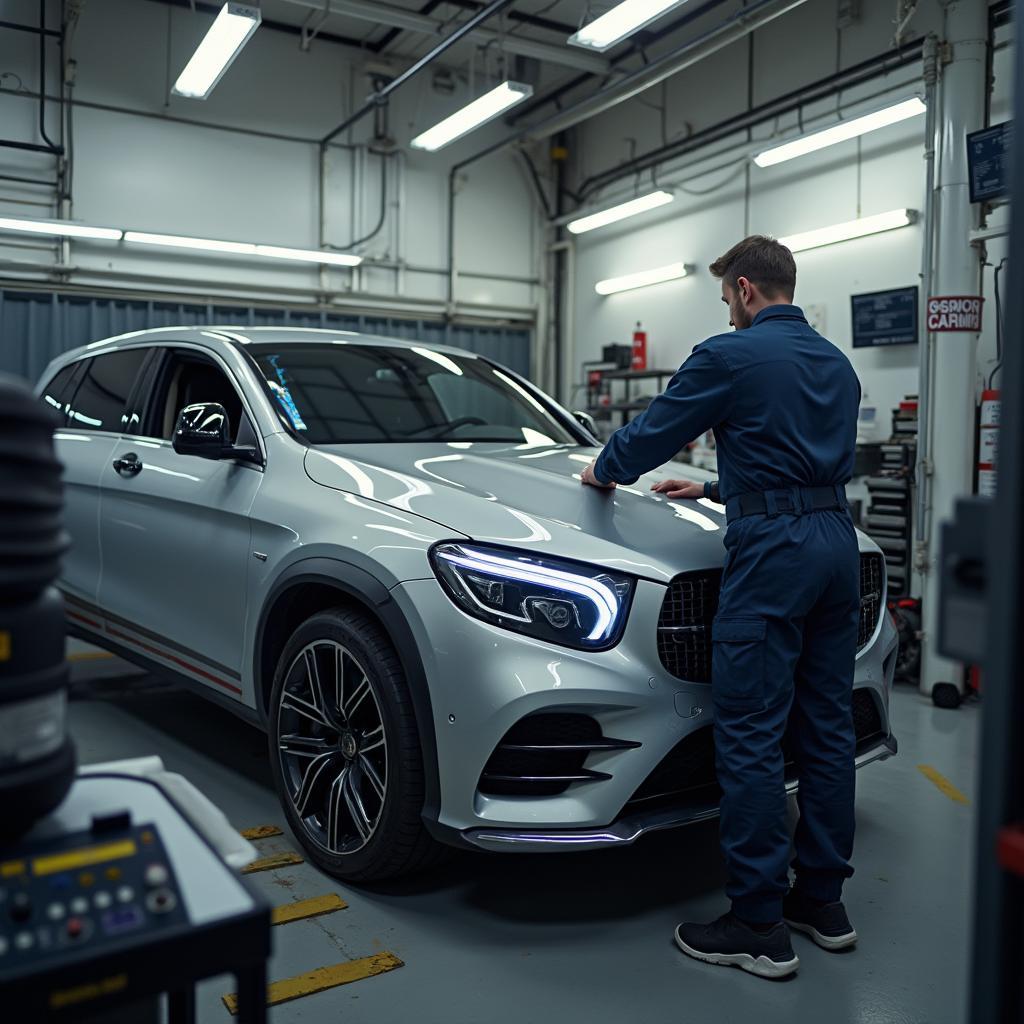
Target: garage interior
[(305, 188)]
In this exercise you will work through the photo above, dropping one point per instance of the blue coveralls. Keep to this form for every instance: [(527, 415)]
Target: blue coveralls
[(783, 405)]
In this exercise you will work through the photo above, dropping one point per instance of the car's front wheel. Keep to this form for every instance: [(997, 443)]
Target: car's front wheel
[(345, 751)]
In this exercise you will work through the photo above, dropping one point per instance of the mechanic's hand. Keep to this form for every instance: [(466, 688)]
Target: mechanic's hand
[(587, 477), (679, 489)]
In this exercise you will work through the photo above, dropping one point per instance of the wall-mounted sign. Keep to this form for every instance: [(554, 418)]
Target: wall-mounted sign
[(954, 313), (988, 160), (884, 318)]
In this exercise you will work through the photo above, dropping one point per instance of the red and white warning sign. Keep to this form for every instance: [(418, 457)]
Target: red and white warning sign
[(988, 442), (954, 313)]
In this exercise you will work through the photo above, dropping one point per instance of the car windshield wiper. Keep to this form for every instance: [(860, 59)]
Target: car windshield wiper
[(443, 428)]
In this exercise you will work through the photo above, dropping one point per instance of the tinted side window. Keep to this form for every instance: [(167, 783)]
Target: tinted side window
[(101, 397), (53, 393), (189, 379)]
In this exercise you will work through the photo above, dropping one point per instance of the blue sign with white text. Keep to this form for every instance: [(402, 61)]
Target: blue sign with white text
[(988, 162), (884, 318)]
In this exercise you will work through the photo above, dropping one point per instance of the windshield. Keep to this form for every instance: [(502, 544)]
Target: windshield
[(348, 393)]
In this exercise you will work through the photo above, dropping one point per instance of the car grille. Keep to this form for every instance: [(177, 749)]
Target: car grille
[(684, 625), (543, 754), (872, 590), (688, 770)]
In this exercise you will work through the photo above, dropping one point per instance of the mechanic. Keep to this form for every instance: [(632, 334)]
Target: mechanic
[(782, 402)]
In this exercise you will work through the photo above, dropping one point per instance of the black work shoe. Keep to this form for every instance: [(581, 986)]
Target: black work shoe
[(826, 923), (730, 942)]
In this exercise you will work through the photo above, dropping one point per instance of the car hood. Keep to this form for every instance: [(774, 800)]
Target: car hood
[(531, 498)]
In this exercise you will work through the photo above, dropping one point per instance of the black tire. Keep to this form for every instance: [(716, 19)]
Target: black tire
[(946, 695), (908, 660), (398, 844)]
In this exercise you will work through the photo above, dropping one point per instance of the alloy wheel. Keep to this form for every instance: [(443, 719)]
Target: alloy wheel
[(332, 747)]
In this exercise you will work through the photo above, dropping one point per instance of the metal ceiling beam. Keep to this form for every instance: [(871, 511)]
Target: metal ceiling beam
[(413, 21), (268, 23)]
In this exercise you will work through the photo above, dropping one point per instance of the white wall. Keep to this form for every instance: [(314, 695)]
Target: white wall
[(145, 170), (814, 191)]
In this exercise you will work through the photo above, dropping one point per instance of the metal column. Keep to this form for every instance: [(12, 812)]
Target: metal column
[(951, 399), (997, 982)]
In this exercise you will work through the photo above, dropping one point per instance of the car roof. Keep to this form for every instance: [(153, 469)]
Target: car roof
[(219, 335)]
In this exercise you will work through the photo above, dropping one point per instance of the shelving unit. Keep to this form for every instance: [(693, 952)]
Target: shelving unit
[(628, 405), (889, 519)]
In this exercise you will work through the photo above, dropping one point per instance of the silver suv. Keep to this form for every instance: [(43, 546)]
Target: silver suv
[(381, 554)]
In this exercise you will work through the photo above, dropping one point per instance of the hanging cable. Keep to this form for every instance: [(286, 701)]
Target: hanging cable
[(999, 324), (384, 157), (535, 177), (42, 78)]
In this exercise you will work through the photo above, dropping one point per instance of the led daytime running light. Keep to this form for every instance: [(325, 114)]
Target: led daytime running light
[(602, 597)]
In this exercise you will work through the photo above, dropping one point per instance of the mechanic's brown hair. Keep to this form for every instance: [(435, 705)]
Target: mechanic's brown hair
[(764, 262)]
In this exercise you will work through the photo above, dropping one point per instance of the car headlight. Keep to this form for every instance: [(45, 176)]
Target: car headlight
[(562, 602)]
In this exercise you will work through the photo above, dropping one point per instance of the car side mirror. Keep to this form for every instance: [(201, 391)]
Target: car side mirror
[(587, 422), (203, 430)]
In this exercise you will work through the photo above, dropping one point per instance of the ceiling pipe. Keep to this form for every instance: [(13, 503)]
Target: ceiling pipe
[(823, 88), (738, 27), (381, 96), (638, 42), (414, 21)]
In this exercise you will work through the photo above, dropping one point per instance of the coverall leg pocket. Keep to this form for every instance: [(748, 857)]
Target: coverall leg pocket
[(738, 663)]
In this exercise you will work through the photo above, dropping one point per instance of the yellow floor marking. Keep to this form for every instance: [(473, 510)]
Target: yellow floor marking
[(943, 784), (302, 909), (261, 832), (278, 860), (89, 656), (323, 978)]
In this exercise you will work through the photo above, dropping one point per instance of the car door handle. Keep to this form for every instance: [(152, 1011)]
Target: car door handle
[(128, 465)]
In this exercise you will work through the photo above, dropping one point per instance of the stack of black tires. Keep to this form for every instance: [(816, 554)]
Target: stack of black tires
[(37, 759)]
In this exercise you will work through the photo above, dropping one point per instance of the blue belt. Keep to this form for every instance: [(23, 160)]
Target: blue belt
[(794, 501)]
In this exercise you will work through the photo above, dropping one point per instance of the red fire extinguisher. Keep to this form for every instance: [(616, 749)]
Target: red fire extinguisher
[(639, 348), (988, 442)]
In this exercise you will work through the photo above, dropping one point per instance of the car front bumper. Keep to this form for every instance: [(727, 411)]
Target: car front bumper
[(628, 829), (482, 680)]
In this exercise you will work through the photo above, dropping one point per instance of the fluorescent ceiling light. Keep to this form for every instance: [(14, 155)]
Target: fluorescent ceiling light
[(639, 205), (841, 132), (480, 111), (220, 46), (57, 227), (279, 252), (850, 229), (622, 20), (640, 280), (337, 259), (182, 242)]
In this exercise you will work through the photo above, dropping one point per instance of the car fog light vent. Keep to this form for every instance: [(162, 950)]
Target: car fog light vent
[(543, 754), (686, 776)]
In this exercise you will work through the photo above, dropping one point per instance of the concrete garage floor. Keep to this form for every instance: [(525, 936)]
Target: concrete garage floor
[(532, 939)]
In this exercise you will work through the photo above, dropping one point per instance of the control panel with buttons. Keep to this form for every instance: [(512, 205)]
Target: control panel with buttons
[(88, 889), (100, 914)]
